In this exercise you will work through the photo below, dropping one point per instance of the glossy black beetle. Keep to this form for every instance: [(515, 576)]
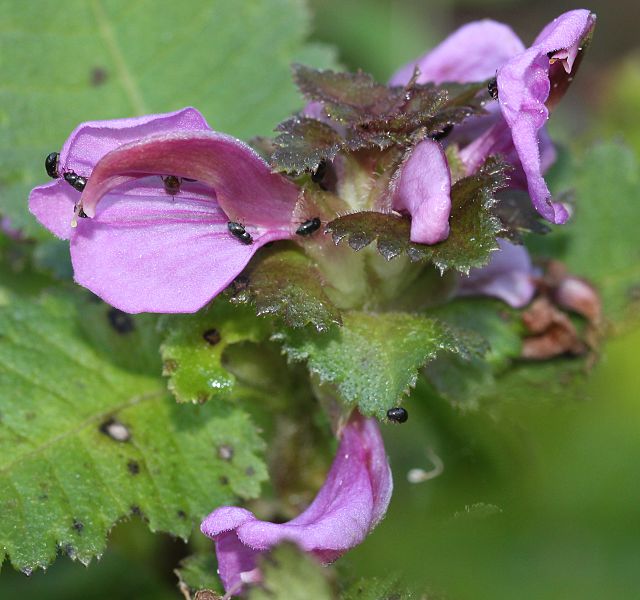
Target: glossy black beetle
[(397, 414), (51, 165), (492, 86), (309, 227), (238, 231), (75, 181)]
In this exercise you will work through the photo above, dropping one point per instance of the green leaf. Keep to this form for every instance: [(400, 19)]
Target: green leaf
[(303, 143), (463, 382), (285, 283), (290, 574), (603, 246), (194, 344), (86, 440), (377, 588), (198, 572), (472, 236), (104, 60), (517, 215), (373, 359)]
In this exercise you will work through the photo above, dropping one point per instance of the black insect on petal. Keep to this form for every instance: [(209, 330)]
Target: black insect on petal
[(309, 227), (172, 184), (239, 232), (51, 165), (75, 181), (492, 86), (397, 414)]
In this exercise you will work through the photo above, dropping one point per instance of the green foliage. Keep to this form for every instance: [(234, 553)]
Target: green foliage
[(465, 382), (198, 572), (473, 232), (367, 114), (112, 59), (290, 574), (373, 359), (376, 588), (285, 283), (88, 436), (603, 245), (194, 344)]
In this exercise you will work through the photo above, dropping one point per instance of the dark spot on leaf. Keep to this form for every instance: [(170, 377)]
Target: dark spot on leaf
[(69, 550), (98, 76), (225, 452), (120, 321), (223, 480), (212, 336), (78, 525), (250, 471), (134, 467), (182, 514), (115, 430), (169, 366)]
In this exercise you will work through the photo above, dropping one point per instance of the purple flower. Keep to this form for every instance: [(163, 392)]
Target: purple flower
[(528, 80), (352, 501), (150, 249), (422, 187), (508, 276)]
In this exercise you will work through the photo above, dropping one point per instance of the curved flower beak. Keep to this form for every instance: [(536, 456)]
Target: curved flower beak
[(524, 87), (423, 189), (508, 276), (352, 501)]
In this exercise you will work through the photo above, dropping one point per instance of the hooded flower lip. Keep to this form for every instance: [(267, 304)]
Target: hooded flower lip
[(146, 250), (523, 89), (509, 276), (423, 188), (352, 501)]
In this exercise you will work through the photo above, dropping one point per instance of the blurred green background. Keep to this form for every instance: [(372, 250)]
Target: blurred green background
[(538, 499)]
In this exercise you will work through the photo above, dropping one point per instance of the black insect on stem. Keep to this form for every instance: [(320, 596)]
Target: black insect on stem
[(492, 86), (172, 184), (75, 181), (51, 165), (397, 414), (237, 230), (309, 227)]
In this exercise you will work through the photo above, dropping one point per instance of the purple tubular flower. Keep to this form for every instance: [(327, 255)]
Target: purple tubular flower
[(523, 89), (146, 250), (352, 501), (508, 276), (423, 188)]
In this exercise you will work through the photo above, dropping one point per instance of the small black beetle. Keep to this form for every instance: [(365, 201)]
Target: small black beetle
[(75, 181), (309, 227), (239, 232), (172, 184), (51, 165), (397, 414), (492, 86)]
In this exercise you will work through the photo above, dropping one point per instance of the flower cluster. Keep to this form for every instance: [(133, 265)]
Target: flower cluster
[(162, 214)]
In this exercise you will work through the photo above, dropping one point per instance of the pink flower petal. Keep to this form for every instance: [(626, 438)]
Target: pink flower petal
[(245, 187), (149, 252), (524, 86), (508, 276), (423, 189), (91, 140), (351, 502), (52, 204), (472, 53)]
